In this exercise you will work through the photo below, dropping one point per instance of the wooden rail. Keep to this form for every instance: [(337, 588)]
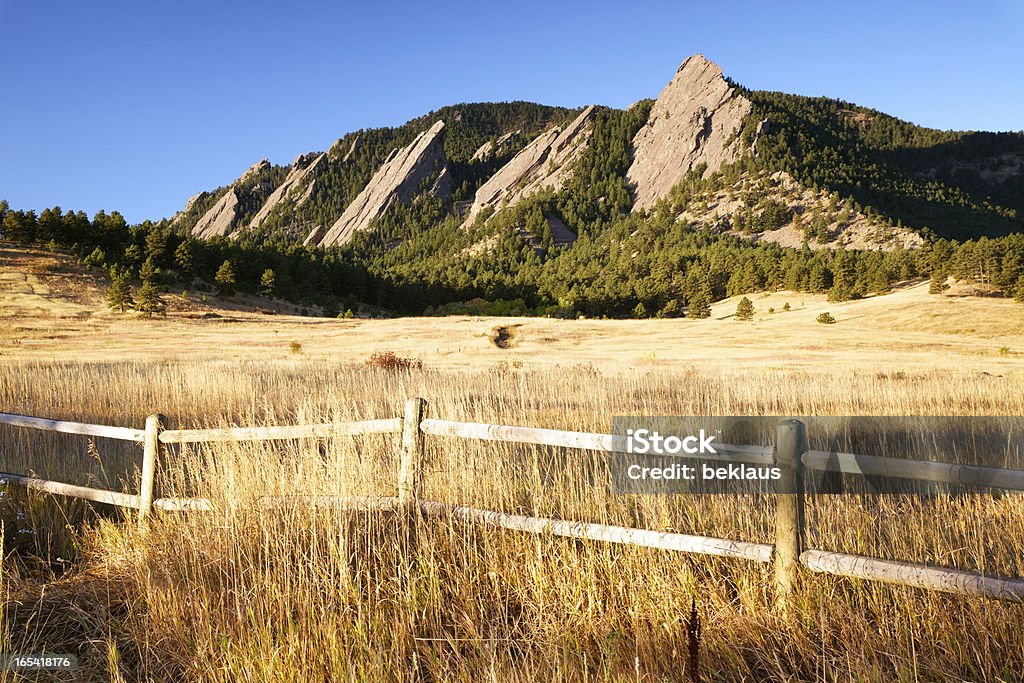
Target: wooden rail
[(917, 575), (122, 433), (918, 470), (789, 553), (271, 433), (702, 545), (606, 443), (124, 500)]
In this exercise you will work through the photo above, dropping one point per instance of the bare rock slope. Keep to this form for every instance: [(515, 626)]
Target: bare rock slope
[(694, 121), (218, 220), (297, 187), (398, 180), (546, 162)]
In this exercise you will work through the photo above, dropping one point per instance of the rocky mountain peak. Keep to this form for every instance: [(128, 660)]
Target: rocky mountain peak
[(693, 122)]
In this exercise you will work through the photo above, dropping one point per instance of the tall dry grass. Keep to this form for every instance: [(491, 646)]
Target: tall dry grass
[(304, 592)]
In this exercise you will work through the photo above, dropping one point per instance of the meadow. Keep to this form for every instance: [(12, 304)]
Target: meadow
[(306, 592)]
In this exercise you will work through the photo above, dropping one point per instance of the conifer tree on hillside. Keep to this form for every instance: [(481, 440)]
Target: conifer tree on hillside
[(225, 278), (745, 309), (119, 293), (149, 300), (700, 305)]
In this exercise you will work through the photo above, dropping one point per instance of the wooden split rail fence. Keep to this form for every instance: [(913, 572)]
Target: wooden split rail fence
[(790, 454)]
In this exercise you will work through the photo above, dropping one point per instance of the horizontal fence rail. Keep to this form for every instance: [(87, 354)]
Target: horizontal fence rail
[(918, 470), (790, 454), (589, 441), (916, 575), (272, 433), (121, 433), (125, 500), (702, 545)]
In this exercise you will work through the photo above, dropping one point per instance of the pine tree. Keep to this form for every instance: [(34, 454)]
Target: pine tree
[(267, 282), (225, 277), (1018, 292), (183, 256), (150, 301), (640, 311), (119, 293), (745, 309), (148, 271), (700, 305), (937, 282)]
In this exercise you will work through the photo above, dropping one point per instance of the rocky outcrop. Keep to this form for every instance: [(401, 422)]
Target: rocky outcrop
[(491, 149), (314, 237), (253, 171), (218, 220), (399, 179), (297, 186), (693, 122), (545, 162)]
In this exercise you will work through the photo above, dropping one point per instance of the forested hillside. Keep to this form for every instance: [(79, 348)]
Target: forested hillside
[(808, 194)]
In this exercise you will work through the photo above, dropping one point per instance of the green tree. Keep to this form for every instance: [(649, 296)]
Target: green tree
[(268, 281), (149, 301), (745, 309), (148, 271), (225, 278), (119, 293), (640, 311), (700, 305), (1018, 292), (937, 282), (184, 258)]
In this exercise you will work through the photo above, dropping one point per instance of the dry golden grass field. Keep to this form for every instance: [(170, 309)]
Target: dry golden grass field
[(313, 593)]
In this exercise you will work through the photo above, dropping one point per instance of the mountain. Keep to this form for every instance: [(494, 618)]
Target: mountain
[(708, 191), (779, 168)]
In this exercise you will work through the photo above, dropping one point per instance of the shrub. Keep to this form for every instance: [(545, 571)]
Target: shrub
[(826, 318), (387, 360), (786, 307), (295, 347)]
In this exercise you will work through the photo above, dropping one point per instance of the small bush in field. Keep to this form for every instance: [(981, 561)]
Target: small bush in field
[(295, 347), (826, 318), (387, 360)]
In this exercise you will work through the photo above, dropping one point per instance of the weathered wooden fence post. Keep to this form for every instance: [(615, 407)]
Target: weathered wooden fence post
[(150, 456), (412, 452), (790, 444)]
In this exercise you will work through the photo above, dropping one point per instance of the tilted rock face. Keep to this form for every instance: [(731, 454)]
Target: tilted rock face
[(690, 124), (217, 221), (301, 175), (397, 180), (254, 170), (314, 236), (545, 162), (490, 149)]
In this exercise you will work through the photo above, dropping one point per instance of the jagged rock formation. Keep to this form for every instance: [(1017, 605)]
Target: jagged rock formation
[(253, 171), (218, 220), (490, 149), (398, 180), (545, 162), (693, 122), (301, 175), (314, 236)]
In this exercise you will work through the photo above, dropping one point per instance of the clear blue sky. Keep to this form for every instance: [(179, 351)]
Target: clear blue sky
[(135, 106)]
